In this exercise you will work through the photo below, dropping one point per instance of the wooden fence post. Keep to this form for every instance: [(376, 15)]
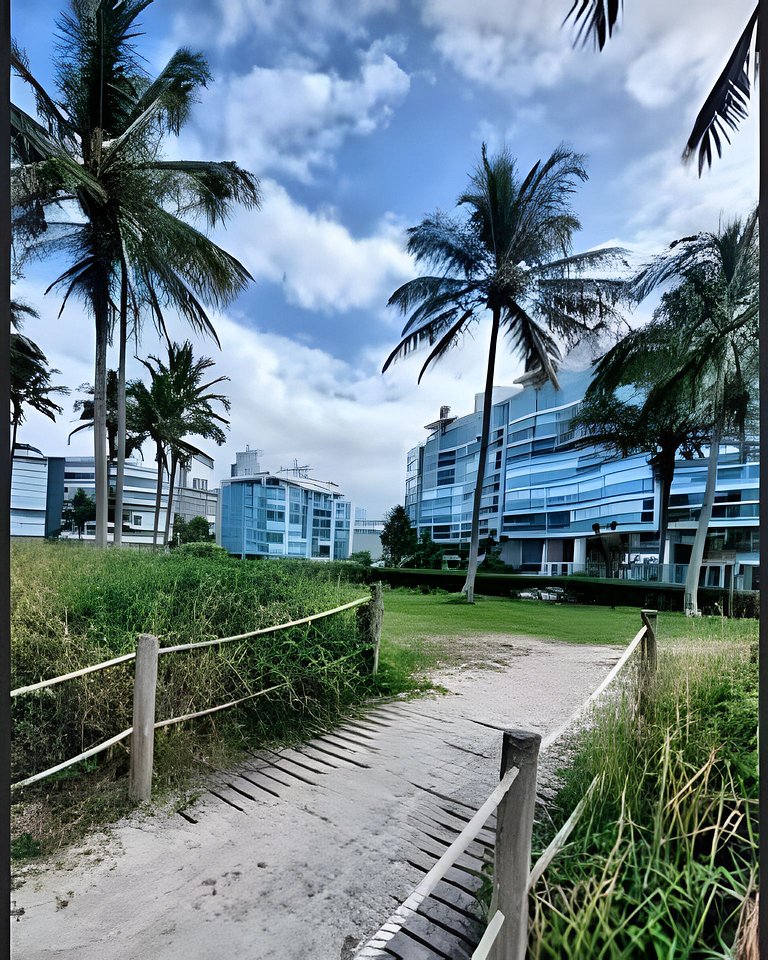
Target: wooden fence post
[(369, 618), (649, 618), (514, 823), (143, 736)]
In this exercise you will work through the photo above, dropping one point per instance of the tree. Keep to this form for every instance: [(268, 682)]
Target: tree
[(713, 307), (97, 148), (361, 557), (83, 510), (398, 538), (85, 408), (177, 405), (624, 413), (427, 555), (726, 105), (196, 530), (511, 257), (30, 377)]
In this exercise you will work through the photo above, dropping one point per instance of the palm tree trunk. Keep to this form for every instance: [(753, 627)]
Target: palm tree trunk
[(120, 478), (14, 429), (700, 539), (158, 495), (172, 480), (101, 480), (474, 543)]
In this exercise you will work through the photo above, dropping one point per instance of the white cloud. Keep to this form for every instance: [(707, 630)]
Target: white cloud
[(320, 264), (231, 21), (670, 201), (350, 423), (294, 118), (660, 51)]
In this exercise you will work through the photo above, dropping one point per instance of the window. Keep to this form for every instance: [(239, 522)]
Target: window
[(199, 484), (274, 537), (137, 519)]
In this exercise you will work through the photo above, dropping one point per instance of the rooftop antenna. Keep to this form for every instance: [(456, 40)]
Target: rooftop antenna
[(296, 470)]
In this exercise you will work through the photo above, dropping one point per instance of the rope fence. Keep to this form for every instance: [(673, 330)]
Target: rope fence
[(506, 936), (145, 683)]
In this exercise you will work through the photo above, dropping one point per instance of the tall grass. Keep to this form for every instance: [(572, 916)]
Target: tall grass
[(666, 852), (75, 606)]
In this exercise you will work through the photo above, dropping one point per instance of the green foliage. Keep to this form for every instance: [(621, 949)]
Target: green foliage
[(666, 850), (398, 538), (81, 510), (362, 557), (24, 847), (196, 530), (427, 555), (201, 548), (74, 606)]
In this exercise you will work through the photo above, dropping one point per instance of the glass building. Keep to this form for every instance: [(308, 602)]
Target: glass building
[(557, 507), (269, 515)]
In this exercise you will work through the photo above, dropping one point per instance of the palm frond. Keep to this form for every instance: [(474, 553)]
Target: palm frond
[(726, 105), (595, 19), (531, 341), (445, 343), (210, 187)]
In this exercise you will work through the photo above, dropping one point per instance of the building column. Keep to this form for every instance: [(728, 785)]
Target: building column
[(579, 553)]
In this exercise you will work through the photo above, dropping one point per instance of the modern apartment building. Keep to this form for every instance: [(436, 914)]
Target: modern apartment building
[(286, 514), (192, 496), (557, 507), (37, 493)]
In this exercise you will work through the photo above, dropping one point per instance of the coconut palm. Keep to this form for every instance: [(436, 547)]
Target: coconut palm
[(177, 405), (84, 407), (714, 305), (30, 376), (726, 105), (510, 258), (625, 413), (96, 149)]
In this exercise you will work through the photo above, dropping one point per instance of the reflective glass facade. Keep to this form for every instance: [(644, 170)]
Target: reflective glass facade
[(542, 495), (265, 515)]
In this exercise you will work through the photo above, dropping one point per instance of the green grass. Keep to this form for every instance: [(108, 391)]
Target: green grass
[(73, 606), (666, 851)]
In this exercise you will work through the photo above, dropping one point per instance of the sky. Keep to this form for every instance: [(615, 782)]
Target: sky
[(361, 117)]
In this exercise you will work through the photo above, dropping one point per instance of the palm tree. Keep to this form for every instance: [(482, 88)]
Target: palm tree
[(84, 407), (177, 405), (97, 148), (726, 105), (30, 376), (664, 423), (500, 260), (714, 301)]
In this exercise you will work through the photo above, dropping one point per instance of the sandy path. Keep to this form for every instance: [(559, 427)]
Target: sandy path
[(301, 855)]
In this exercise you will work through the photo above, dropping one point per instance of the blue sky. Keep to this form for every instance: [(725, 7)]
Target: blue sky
[(362, 116)]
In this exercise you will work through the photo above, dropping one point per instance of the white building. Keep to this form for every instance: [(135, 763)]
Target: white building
[(37, 493)]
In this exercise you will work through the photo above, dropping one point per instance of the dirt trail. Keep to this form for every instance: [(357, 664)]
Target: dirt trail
[(301, 854)]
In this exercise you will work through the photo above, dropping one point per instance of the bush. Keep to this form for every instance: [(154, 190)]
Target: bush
[(74, 606)]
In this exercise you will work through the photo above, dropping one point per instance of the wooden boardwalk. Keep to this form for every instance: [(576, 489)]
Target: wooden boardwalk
[(303, 853)]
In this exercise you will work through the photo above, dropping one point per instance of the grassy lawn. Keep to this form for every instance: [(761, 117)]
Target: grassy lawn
[(424, 631)]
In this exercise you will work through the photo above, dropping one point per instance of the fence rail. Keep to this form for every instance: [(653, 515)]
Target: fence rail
[(145, 683), (506, 935)]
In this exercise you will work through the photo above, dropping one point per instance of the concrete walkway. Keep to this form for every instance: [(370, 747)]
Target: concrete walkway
[(303, 854)]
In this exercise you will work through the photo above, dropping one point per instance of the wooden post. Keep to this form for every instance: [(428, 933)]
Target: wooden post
[(514, 824), (649, 618), (369, 617), (143, 736)]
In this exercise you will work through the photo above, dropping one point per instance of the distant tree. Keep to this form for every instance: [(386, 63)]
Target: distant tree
[(362, 557), (85, 408), (177, 405), (398, 538), (510, 260), (83, 510), (427, 555), (196, 530)]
